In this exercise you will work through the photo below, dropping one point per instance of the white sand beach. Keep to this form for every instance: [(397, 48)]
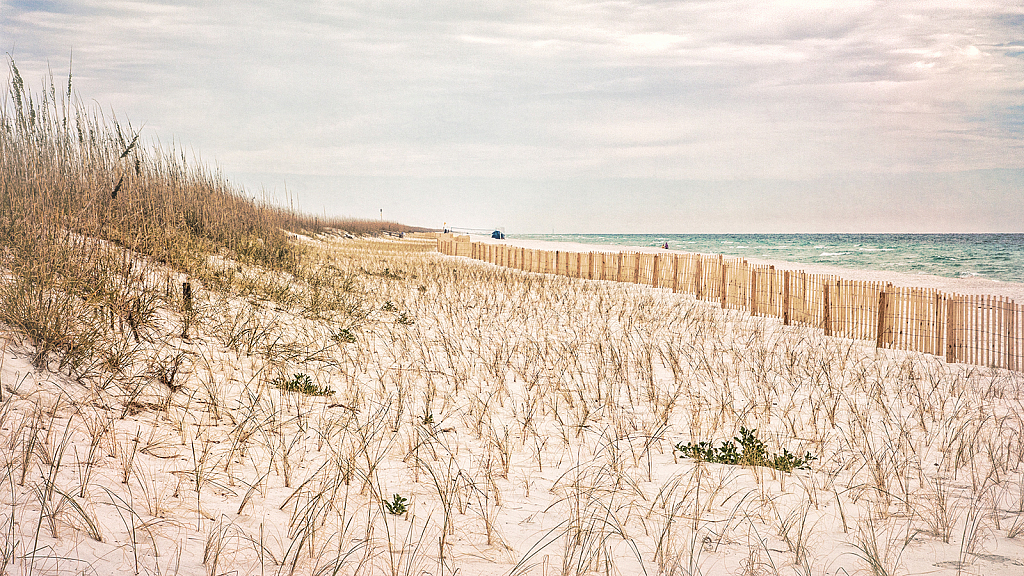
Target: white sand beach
[(479, 420)]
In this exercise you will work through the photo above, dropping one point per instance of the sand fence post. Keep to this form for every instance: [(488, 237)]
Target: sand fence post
[(721, 279), (843, 315), (1015, 340), (785, 297), (675, 273), (698, 277), (1006, 314), (744, 279), (722, 288), (753, 291), (186, 296), (880, 332), (886, 308), (827, 306), (805, 305), (1012, 358), (951, 319)]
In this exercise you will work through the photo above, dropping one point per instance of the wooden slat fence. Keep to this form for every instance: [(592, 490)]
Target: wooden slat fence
[(973, 329)]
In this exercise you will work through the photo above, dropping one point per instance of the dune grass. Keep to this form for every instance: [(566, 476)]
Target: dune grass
[(98, 228)]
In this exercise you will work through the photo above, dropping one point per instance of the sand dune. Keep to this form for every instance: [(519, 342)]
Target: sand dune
[(478, 420)]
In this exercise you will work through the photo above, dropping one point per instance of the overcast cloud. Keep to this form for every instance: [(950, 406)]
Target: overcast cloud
[(573, 116)]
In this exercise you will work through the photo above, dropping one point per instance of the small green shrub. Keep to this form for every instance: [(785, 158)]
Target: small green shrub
[(745, 450), (397, 506), (344, 336), (303, 384)]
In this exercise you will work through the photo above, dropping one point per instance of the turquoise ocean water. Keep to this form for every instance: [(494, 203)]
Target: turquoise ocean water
[(992, 256)]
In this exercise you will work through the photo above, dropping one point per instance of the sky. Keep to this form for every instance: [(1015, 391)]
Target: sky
[(570, 116)]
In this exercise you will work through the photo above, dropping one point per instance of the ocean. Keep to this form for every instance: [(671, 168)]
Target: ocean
[(991, 256)]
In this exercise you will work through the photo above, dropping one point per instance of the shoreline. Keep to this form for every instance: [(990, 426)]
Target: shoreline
[(965, 286)]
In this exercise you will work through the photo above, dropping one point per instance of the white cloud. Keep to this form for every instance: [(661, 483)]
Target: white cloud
[(541, 91)]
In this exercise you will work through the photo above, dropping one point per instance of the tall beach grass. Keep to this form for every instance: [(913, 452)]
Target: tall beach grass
[(89, 209)]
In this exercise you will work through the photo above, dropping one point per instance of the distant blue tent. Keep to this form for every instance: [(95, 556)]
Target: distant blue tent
[(498, 235)]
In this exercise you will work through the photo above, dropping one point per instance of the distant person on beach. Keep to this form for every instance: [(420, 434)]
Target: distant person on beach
[(665, 246)]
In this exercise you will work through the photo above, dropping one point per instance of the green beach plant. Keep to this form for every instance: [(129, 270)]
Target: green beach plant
[(303, 384), (344, 336), (744, 450), (397, 506)]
